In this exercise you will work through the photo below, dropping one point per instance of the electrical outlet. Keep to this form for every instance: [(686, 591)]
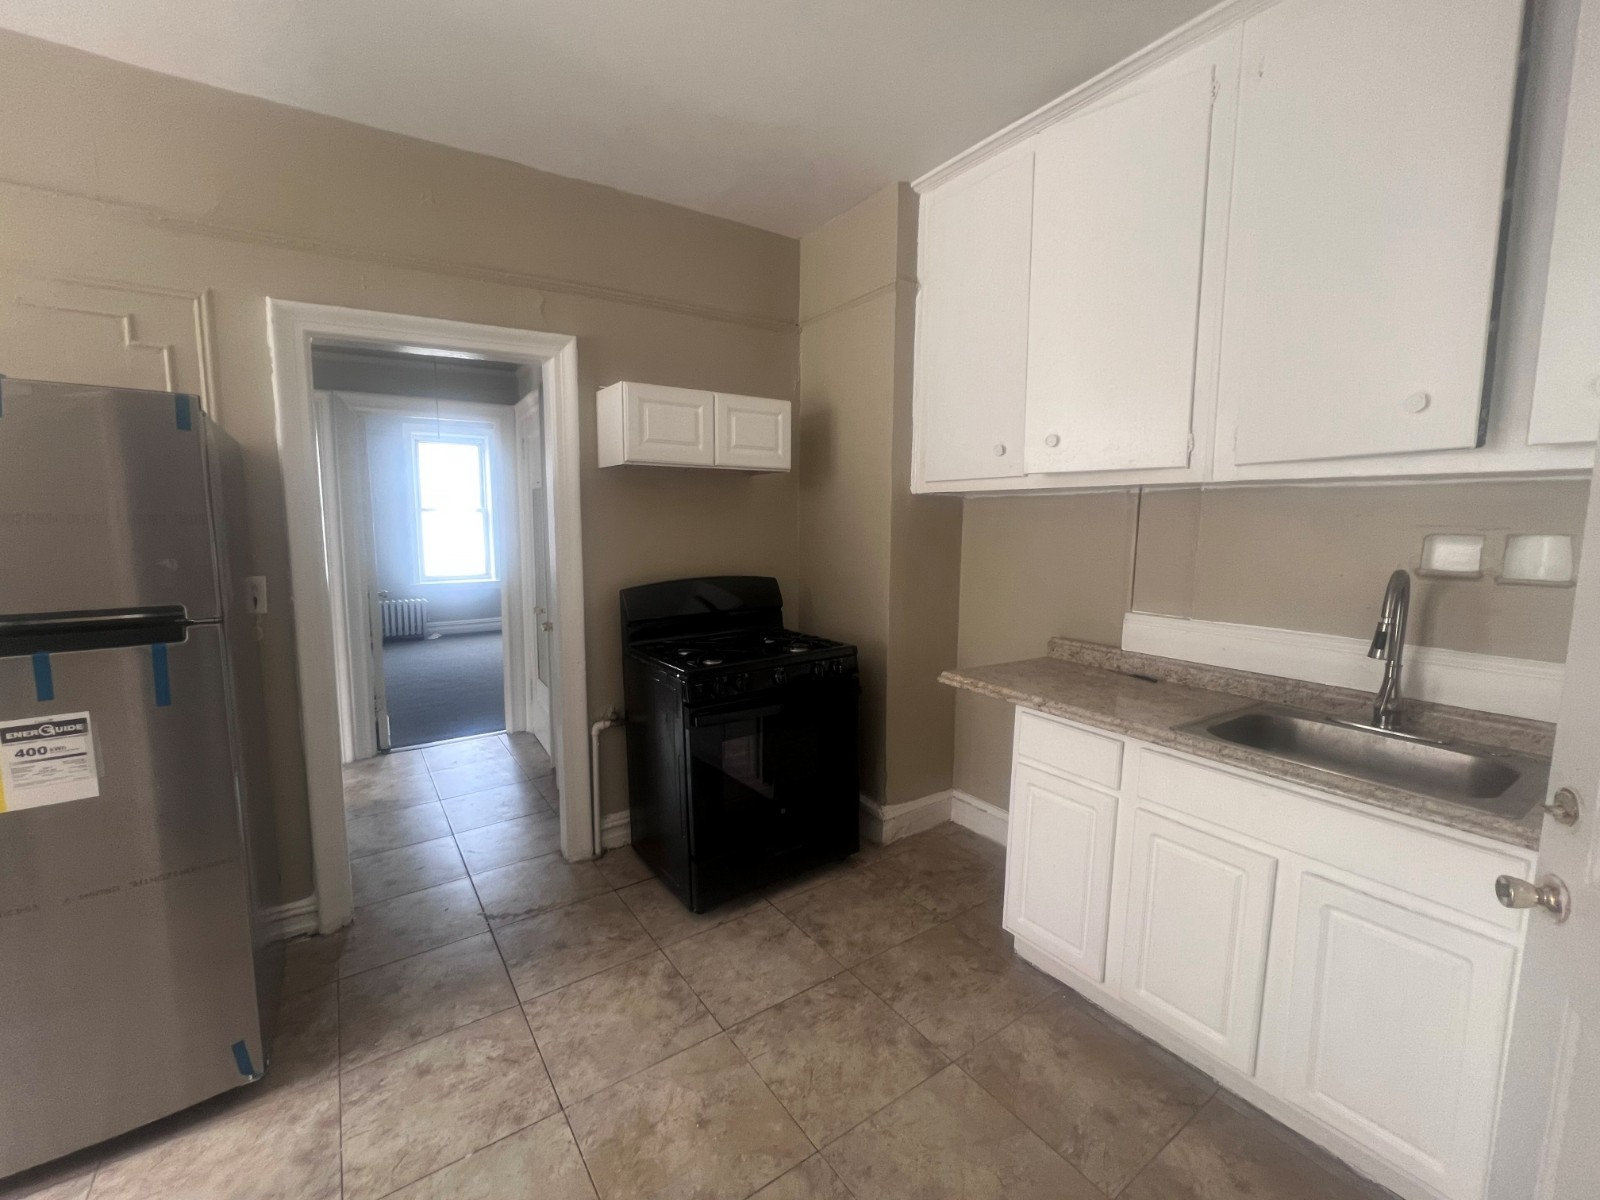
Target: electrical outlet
[(255, 593)]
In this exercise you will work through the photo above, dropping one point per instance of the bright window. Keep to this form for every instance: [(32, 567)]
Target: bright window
[(453, 509)]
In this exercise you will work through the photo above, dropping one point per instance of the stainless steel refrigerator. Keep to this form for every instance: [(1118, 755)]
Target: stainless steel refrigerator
[(135, 979)]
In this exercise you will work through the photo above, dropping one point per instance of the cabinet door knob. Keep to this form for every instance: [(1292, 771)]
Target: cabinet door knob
[(1053, 440), (1418, 402), (999, 449), (1549, 894)]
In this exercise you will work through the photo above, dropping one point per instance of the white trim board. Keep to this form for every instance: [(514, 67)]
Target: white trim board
[(984, 819), (466, 625), (885, 823), (616, 830), (1516, 687), (294, 919)]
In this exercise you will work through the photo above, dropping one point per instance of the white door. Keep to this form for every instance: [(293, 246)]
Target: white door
[(1566, 391), (533, 530), (1058, 867), (1119, 223), (668, 425), (972, 321), (1365, 227), (1547, 1145), (752, 432), (1195, 938), (1396, 1027)]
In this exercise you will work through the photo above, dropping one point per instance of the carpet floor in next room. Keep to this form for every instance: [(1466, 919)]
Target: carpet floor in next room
[(499, 1024), (444, 687)]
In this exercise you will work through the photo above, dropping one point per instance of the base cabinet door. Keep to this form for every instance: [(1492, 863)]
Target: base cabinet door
[(1058, 868), (1195, 940), (1395, 1031)]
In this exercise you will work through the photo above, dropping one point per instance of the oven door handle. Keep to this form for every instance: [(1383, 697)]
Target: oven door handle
[(727, 716)]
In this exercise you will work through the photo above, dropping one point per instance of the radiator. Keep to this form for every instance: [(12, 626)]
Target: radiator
[(404, 618)]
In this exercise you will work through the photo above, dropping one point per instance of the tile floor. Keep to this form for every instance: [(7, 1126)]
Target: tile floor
[(499, 1024)]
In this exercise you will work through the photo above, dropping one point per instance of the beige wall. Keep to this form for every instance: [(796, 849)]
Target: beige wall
[(879, 567), (1310, 558), (1317, 558), (1033, 567), (128, 194)]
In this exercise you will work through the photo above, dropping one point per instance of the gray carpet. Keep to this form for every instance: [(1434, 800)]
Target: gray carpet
[(446, 688)]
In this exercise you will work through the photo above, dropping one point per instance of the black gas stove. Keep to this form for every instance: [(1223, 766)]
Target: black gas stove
[(741, 737)]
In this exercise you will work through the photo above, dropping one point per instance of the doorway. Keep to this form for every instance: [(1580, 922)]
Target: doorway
[(501, 476), (427, 452)]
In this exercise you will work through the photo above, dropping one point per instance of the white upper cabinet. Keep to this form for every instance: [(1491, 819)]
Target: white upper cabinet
[(972, 321), (751, 432), (1273, 246), (646, 424), (1566, 395), (1119, 234), (1369, 173)]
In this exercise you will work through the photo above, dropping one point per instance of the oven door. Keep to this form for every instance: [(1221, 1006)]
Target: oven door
[(772, 784)]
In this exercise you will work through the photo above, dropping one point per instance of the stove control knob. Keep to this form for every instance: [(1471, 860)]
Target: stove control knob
[(778, 675)]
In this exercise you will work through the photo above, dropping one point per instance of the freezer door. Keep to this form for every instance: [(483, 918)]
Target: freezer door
[(127, 989), (103, 501)]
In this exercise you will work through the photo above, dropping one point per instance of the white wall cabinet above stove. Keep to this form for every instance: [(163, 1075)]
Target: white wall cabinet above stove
[(650, 425), (1266, 248)]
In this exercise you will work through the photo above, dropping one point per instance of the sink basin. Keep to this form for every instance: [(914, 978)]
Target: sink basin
[(1494, 781)]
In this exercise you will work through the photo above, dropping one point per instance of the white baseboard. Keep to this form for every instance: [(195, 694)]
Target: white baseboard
[(292, 920), (983, 818), (1517, 687), (615, 831), (475, 625), (884, 823)]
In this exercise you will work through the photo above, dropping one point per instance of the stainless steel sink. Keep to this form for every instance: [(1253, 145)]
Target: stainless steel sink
[(1494, 781)]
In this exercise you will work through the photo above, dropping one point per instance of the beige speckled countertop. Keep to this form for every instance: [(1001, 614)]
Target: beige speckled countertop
[(1084, 682)]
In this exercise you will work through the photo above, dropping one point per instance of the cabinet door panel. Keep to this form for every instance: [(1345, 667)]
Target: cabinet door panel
[(972, 324), (1396, 1028), (1364, 230), (1195, 948), (1119, 217), (1058, 868), (752, 432), (1566, 390), (668, 425)]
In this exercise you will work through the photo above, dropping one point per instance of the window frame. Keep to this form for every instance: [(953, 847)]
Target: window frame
[(483, 443)]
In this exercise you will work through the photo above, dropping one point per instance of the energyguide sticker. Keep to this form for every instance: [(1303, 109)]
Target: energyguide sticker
[(47, 760)]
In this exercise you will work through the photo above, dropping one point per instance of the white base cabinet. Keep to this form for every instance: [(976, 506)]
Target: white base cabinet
[(1345, 968)]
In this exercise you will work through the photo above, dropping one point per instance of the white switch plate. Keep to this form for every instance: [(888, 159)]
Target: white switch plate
[(255, 593)]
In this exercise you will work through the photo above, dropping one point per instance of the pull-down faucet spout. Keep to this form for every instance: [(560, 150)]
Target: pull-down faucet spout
[(1388, 644)]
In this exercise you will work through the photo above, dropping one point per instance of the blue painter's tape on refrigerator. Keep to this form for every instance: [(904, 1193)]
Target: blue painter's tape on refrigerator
[(161, 676), (181, 404), (241, 1058), (44, 683)]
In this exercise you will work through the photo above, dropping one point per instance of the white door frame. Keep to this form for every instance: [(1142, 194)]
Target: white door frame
[(292, 327), (347, 514)]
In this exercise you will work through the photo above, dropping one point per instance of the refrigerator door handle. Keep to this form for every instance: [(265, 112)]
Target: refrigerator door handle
[(62, 632)]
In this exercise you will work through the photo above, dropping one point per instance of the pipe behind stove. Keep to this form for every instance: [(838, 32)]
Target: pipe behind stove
[(609, 719)]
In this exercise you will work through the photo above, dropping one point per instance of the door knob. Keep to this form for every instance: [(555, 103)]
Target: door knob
[(1549, 894), (1053, 440), (1000, 450)]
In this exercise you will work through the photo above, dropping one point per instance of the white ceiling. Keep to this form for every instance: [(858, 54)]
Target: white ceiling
[(777, 113)]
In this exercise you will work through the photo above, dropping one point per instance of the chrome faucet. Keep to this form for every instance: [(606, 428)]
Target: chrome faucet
[(1388, 643)]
